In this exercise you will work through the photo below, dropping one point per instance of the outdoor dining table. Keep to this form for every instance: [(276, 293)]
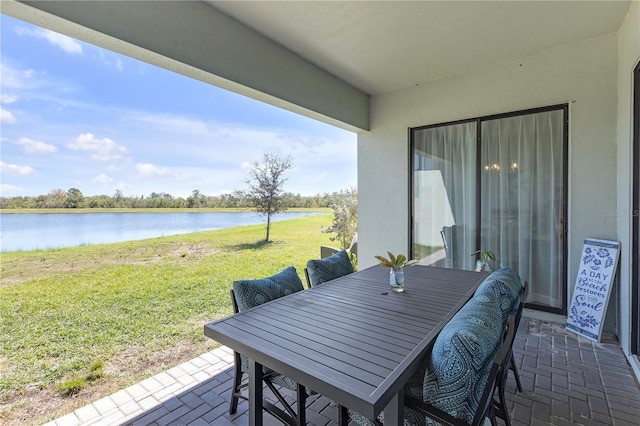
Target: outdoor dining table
[(352, 339)]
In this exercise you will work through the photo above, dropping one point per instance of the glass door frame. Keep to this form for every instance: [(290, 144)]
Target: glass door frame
[(565, 193)]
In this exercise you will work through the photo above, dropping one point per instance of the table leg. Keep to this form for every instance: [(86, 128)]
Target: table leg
[(394, 411), (301, 394), (343, 416), (255, 393)]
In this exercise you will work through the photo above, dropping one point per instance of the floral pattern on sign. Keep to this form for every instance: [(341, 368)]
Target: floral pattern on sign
[(582, 318), (602, 253)]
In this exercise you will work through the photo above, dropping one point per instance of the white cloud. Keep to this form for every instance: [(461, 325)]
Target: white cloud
[(177, 124), (64, 42), (109, 59), (108, 183), (151, 171), (17, 79), (114, 167), (103, 179), (15, 170), (7, 189), (7, 117), (8, 99), (14, 78), (101, 149), (32, 147)]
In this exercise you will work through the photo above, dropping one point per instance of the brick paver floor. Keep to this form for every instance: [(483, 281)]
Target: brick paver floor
[(567, 380)]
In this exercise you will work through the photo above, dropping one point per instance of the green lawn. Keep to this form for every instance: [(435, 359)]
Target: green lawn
[(123, 304)]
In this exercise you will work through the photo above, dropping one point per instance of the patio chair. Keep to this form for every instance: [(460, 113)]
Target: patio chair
[(509, 363), (245, 295), (507, 286), (461, 373), (453, 243), (484, 409), (326, 251), (523, 300), (319, 271)]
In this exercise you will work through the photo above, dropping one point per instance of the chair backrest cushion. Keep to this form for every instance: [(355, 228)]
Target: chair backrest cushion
[(461, 359), (250, 293), (505, 286), (329, 268)]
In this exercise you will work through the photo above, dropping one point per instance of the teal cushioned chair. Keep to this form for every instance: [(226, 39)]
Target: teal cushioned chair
[(247, 294), (461, 360), (460, 373), (506, 286), (319, 271), (250, 293)]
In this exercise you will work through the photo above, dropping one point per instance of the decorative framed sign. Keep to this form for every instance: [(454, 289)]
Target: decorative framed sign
[(593, 287)]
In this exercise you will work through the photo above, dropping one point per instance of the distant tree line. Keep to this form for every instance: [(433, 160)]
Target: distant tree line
[(74, 199)]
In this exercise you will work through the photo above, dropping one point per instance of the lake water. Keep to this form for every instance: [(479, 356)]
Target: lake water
[(50, 230)]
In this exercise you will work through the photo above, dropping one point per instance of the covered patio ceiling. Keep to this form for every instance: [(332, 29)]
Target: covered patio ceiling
[(324, 59), (382, 46)]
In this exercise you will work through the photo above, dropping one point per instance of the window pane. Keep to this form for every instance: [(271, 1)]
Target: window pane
[(444, 192), (521, 199)]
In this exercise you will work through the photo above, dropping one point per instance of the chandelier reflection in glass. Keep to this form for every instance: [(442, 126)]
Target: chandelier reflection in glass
[(497, 168)]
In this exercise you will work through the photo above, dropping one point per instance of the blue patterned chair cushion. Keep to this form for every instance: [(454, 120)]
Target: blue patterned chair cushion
[(461, 359), (505, 286), (329, 268), (250, 293), (456, 373)]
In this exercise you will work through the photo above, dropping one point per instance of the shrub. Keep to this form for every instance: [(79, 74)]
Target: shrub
[(71, 386)]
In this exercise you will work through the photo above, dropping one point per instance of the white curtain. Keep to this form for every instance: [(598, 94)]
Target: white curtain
[(521, 199), (445, 194)]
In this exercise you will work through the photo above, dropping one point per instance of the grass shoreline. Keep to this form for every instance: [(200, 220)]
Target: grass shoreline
[(138, 307)]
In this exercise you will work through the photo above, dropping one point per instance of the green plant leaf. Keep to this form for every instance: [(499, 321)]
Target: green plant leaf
[(392, 258), (384, 261), (395, 261)]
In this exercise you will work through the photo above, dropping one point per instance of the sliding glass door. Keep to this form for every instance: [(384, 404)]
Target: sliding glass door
[(495, 183)]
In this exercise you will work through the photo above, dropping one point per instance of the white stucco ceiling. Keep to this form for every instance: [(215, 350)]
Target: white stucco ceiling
[(381, 46)]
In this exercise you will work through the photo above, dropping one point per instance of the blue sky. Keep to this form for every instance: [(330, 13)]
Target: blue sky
[(77, 116)]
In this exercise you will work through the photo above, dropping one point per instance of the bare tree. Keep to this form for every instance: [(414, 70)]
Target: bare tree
[(266, 185)]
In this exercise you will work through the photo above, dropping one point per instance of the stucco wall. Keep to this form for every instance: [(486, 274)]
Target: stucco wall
[(583, 74), (629, 56)]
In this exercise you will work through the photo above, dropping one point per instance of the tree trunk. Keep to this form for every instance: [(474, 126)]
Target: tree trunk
[(268, 226)]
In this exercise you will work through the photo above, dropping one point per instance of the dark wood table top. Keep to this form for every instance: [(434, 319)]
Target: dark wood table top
[(351, 339)]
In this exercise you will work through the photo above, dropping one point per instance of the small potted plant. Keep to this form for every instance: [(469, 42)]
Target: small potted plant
[(396, 272), (483, 264)]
